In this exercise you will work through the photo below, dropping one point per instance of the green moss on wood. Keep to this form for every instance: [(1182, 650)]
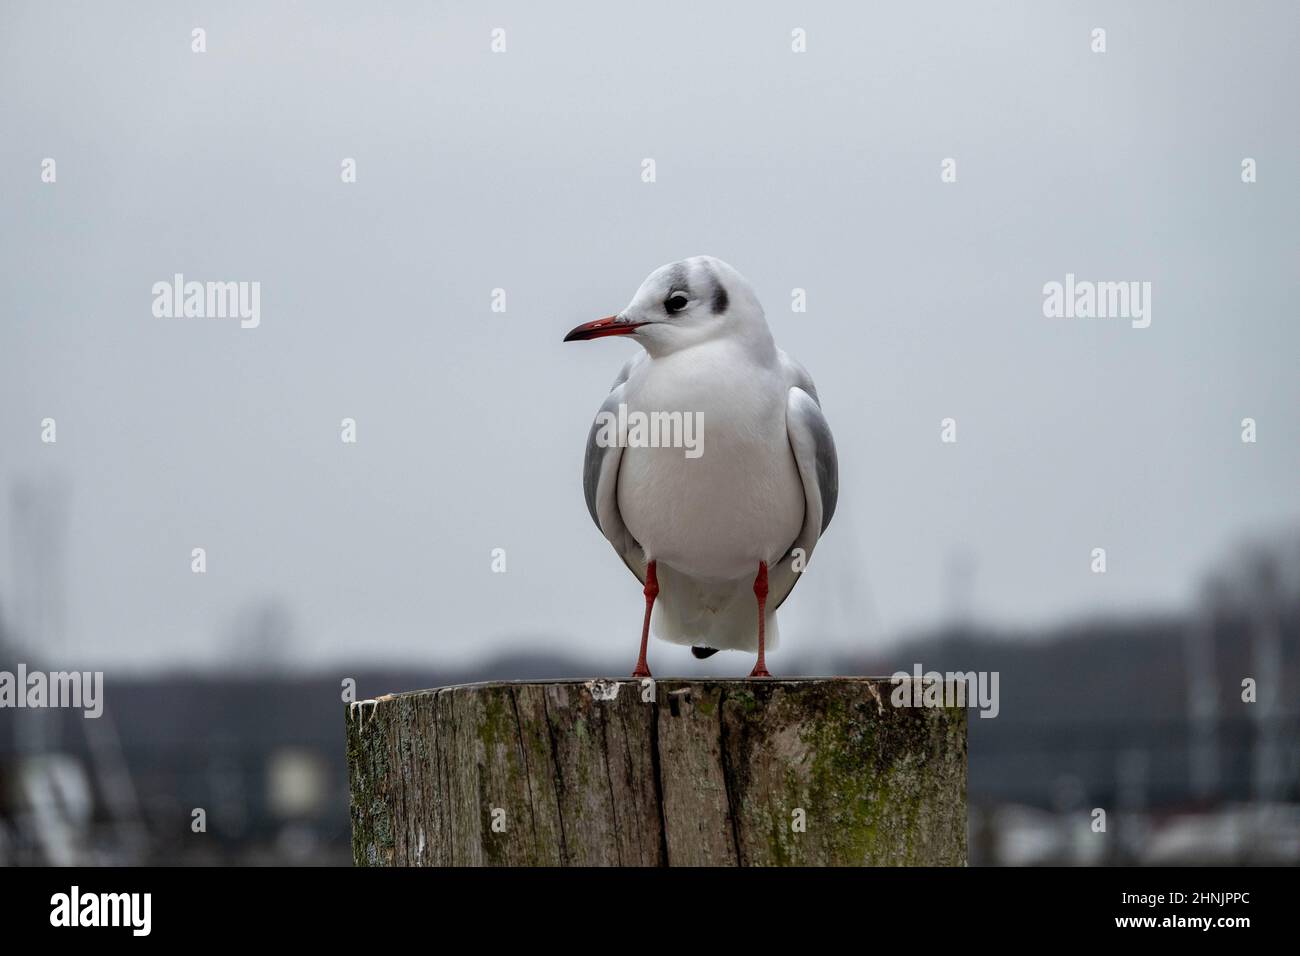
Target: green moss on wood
[(576, 775)]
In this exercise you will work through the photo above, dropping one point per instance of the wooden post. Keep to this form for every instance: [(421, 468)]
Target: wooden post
[(649, 773)]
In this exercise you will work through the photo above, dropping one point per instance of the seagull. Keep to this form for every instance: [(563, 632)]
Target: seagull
[(708, 531)]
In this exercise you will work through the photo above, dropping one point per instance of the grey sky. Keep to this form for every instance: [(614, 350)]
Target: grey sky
[(522, 170)]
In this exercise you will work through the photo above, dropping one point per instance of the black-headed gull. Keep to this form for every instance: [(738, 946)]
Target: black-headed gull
[(730, 513)]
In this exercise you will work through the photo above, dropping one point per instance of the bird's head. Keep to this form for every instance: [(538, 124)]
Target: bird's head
[(683, 304)]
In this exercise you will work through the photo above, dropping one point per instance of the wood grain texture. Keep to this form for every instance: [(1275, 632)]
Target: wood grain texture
[(818, 771)]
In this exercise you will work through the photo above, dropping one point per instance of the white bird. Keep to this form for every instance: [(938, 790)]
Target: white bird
[(709, 535)]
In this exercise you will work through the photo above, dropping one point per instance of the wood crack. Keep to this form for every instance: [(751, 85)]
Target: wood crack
[(528, 777), (657, 772), (609, 782), (732, 805), (557, 781)]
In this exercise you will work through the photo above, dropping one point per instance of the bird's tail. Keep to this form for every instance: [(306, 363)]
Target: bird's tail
[(712, 615)]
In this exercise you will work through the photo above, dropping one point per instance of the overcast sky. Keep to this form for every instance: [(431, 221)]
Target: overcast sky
[(522, 170)]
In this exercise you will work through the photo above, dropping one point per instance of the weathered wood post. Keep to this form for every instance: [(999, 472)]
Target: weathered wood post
[(682, 772)]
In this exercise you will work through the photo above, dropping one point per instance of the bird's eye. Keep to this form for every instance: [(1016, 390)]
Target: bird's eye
[(676, 302)]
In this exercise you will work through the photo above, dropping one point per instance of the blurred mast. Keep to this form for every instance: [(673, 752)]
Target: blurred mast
[(40, 524), (959, 590), (1266, 655), (1203, 693)]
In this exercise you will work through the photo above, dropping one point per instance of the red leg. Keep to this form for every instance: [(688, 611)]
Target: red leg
[(651, 592), (760, 592)]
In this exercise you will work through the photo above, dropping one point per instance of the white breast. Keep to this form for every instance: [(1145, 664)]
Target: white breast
[(741, 501)]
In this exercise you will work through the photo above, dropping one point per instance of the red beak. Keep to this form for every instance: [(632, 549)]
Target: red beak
[(601, 328)]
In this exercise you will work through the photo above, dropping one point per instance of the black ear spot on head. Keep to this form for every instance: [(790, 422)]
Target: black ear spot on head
[(720, 300)]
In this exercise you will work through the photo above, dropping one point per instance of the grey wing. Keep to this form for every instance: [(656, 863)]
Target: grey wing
[(814, 454), (600, 482)]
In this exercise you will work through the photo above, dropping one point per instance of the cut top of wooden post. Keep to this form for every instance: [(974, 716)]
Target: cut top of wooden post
[(814, 771)]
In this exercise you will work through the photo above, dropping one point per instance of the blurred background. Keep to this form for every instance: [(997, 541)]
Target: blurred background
[(521, 170)]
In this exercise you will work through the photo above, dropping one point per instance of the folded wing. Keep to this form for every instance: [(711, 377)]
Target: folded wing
[(814, 454), (600, 482)]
